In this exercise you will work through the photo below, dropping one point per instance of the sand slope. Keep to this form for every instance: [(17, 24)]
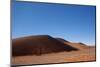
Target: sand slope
[(37, 45), (75, 56), (84, 53)]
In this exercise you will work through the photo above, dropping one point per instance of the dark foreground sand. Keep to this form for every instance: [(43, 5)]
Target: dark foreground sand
[(73, 56)]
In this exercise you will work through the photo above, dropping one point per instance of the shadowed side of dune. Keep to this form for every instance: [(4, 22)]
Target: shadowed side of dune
[(79, 46), (62, 40), (38, 45)]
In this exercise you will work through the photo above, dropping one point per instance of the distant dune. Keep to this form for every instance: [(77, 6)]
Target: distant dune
[(42, 49)]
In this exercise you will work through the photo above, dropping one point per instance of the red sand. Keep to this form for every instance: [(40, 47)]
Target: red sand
[(84, 53)]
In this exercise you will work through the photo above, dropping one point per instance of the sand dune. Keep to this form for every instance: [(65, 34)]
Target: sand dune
[(46, 49), (75, 45), (38, 45)]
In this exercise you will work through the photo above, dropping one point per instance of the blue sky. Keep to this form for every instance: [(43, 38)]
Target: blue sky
[(74, 23)]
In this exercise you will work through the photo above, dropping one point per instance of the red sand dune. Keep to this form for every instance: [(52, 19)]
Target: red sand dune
[(75, 45), (41, 44), (44, 49)]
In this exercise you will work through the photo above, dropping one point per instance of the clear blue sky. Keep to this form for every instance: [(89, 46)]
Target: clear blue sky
[(72, 22)]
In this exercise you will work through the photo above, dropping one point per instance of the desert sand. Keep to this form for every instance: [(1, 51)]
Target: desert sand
[(72, 52)]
